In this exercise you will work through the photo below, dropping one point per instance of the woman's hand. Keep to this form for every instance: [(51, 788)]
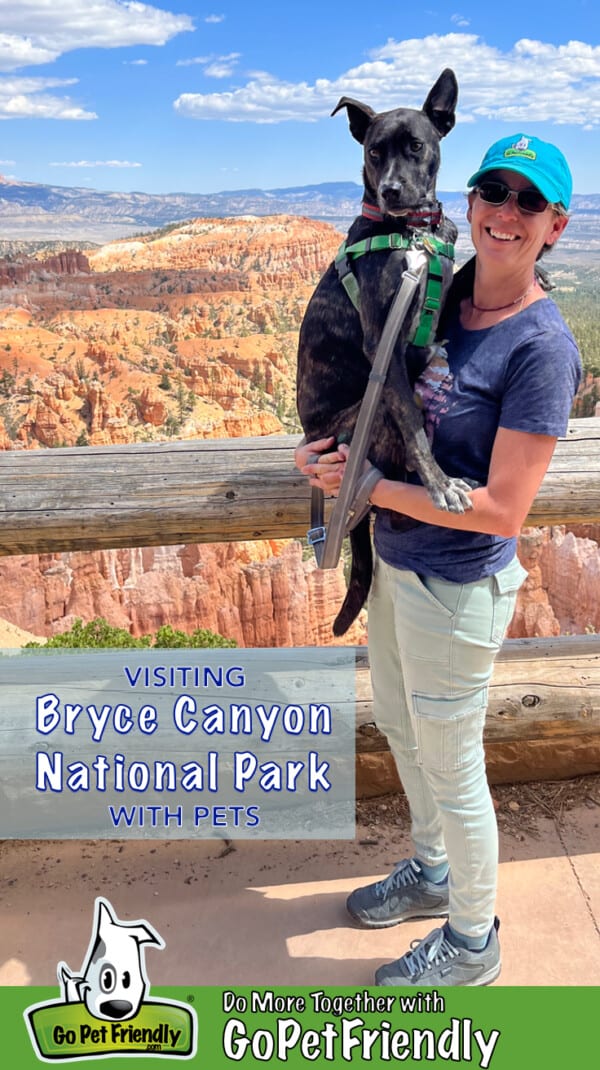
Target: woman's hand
[(323, 462)]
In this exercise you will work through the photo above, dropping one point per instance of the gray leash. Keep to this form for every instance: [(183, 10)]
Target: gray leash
[(352, 502)]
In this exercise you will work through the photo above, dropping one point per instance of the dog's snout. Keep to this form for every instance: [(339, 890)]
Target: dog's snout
[(391, 191), (395, 197), (116, 1008)]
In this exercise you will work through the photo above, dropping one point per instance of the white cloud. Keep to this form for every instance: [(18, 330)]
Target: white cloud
[(222, 66), (25, 98), (38, 31), (214, 18), (96, 163), (534, 81), (219, 69), (7, 163), (19, 51), (460, 20), (135, 62), (42, 107), (214, 66)]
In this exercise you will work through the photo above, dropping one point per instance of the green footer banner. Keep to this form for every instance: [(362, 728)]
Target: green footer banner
[(213, 1027), (502, 1028)]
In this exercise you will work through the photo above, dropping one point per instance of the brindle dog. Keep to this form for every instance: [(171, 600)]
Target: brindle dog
[(338, 343)]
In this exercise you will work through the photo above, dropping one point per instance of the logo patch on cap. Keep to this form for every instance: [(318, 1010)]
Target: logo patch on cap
[(521, 148)]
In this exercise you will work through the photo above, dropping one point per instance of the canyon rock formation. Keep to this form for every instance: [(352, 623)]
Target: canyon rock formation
[(190, 332), (260, 594), (266, 593)]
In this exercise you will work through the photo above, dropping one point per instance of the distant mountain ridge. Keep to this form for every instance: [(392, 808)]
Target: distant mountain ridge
[(33, 211)]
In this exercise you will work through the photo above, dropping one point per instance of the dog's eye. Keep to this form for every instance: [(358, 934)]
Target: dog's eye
[(126, 979), (375, 155), (415, 145), (108, 979)]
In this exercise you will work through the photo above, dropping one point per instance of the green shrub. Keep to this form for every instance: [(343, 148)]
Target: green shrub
[(99, 633), (168, 637)]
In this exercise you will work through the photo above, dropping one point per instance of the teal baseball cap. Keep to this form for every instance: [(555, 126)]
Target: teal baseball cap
[(539, 161)]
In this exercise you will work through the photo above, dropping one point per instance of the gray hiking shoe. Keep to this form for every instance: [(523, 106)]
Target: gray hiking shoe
[(437, 961), (404, 894)]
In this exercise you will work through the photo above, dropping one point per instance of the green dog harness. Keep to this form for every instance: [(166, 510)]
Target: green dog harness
[(431, 246)]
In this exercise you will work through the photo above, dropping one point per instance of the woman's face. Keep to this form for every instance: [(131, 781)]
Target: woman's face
[(503, 233)]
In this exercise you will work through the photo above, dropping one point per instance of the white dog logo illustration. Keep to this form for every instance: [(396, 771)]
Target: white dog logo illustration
[(113, 981)]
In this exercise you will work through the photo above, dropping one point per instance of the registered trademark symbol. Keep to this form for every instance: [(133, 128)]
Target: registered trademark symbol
[(191, 998)]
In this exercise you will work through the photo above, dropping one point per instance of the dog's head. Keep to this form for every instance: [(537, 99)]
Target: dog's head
[(113, 980), (401, 147)]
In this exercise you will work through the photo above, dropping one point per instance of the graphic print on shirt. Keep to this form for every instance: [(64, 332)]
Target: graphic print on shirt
[(432, 390)]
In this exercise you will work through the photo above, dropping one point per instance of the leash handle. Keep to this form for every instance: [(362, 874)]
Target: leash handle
[(328, 546)]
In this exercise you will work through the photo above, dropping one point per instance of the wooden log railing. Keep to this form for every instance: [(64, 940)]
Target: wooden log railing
[(541, 689), (542, 721), (213, 491)]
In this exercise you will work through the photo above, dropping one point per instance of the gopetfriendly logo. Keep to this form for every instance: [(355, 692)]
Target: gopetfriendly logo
[(104, 1010)]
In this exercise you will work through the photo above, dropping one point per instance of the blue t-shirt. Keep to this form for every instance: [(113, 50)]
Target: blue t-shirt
[(521, 374)]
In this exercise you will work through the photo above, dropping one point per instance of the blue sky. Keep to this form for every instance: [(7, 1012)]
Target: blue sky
[(187, 96)]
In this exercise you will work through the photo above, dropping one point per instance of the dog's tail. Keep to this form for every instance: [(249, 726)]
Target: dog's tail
[(360, 577)]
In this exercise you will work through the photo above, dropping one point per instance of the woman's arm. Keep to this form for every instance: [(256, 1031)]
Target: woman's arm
[(518, 465)]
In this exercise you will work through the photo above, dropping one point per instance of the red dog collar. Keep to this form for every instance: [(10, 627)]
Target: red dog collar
[(427, 217)]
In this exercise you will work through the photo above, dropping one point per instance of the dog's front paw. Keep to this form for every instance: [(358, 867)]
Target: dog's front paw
[(453, 496)]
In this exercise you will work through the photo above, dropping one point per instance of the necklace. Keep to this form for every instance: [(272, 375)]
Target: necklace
[(500, 308)]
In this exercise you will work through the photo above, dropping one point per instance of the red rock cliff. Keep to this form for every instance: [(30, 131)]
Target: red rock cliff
[(260, 594)]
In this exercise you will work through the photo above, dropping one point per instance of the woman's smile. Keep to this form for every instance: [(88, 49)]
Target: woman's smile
[(501, 236)]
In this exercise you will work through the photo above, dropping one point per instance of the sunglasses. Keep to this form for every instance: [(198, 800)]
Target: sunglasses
[(528, 200)]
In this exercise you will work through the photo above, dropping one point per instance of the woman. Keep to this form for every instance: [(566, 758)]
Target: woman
[(443, 592)]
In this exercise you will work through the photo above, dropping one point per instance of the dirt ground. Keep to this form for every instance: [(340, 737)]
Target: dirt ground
[(519, 807), (272, 912)]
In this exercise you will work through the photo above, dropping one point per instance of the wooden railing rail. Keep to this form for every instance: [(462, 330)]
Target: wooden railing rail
[(154, 494)]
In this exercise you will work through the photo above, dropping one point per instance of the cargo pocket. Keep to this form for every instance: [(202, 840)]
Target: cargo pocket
[(449, 731), (505, 587)]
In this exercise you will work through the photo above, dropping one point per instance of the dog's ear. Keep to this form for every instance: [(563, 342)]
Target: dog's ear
[(440, 105), (359, 116)]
